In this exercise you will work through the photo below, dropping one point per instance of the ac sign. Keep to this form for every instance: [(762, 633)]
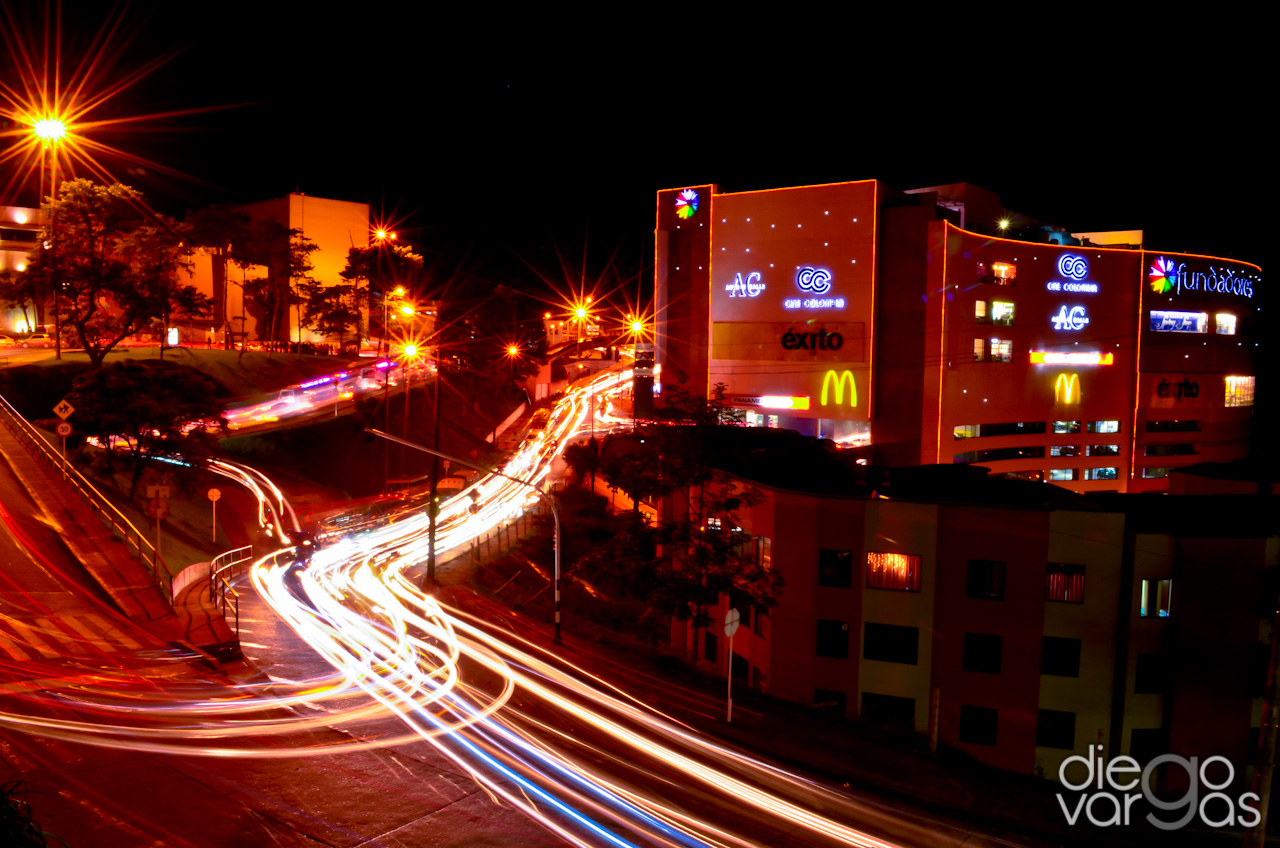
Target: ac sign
[(1073, 320), (751, 287)]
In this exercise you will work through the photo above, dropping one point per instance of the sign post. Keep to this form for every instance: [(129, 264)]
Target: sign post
[(214, 494), (731, 622), (63, 410), (158, 508), (64, 430)]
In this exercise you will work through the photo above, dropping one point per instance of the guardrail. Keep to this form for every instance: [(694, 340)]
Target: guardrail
[(135, 541), (222, 570)]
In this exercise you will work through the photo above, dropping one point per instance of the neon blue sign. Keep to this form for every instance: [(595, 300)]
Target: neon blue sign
[(1073, 266), (815, 280), (751, 287), (1076, 319)]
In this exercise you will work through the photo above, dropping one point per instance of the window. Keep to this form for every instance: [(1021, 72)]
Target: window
[(1224, 324), (982, 652), (1156, 596), (1001, 350), (1064, 450), (979, 350), (710, 647), (998, 273), (1104, 450), (1154, 473), (978, 725), (1002, 313), (890, 643), (1173, 426), (889, 711), (1058, 474), (1064, 582), (1169, 450), (995, 454), (1101, 473), (713, 523), (985, 580), (1010, 428), (980, 312), (1152, 674), (893, 571), (1060, 657), (835, 568), (1165, 321), (1104, 427), (833, 639), (764, 548), (1240, 391), (1056, 729), (831, 699), (1066, 426)]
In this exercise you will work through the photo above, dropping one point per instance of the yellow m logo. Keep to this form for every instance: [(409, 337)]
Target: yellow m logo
[(838, 380), (1066, 389)]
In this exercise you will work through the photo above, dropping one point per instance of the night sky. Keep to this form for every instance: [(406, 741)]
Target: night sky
[(495, 137)]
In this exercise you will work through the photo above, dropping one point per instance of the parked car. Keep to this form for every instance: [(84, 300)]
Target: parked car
[(6, 341), (37, 340)]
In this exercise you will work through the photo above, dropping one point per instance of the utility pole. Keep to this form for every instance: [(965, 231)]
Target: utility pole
[(432, 506)]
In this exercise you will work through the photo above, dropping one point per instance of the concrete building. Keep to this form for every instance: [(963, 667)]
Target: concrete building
[(19, 235)]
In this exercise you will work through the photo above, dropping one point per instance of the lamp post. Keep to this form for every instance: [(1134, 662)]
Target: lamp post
[(555, 513), (50, 131)]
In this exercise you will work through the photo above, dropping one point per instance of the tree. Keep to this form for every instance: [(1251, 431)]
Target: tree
[(222, 229), (112, 262), (333, 310), (381, 268), (148, 413), (19, 291), (286, 254)]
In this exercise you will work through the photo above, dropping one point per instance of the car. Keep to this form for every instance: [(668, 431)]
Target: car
[(6, 341), (37, 340)]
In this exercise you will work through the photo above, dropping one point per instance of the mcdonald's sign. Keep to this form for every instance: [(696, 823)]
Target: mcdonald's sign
[(1066, 389), (838, 379)]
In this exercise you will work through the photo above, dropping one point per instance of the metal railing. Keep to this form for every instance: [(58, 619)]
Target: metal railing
[(222, 570), (38, 446)]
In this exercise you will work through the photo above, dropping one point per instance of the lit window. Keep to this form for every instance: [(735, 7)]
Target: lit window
[(1064, 450), (1100, 474), (1001, 350), (979, 350), (1064, 583), (1240, 391), (1156, 598), (1104, 426), (893, 571), (1066, 426), (980, 312), (1058, 474), (1002, 313), (966, 431), (1104, 450), (1154, 473), (1225, 324), (1004, 272)]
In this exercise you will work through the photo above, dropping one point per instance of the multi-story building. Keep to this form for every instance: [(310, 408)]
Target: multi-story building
[(1013, 621), (935, 326), (19, 235)]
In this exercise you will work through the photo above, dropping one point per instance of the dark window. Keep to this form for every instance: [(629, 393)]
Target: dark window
[(978, 725), (1104, 450), (890, 643), (1064, 581), (1147, 744), (835, 568), (741, 668), (1066, 426), (1152, 674), (1060, 656), (982, 652), (1169, 450), (887, 570), (1173, 426), (710, 647), (1064, 450), (830, 699), (985, 579), (889, 711), (833, 639), (1056, 729), (994, 454)]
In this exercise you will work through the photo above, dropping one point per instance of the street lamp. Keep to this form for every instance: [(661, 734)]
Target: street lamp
[(50, 130), (469, 463)]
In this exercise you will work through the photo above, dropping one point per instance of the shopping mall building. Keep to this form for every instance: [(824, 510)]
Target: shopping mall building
[(911, 326)]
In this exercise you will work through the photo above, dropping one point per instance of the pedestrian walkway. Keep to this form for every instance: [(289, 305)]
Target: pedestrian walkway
[(69, 635)]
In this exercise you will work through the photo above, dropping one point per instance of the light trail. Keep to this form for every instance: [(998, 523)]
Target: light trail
[(590, 763)]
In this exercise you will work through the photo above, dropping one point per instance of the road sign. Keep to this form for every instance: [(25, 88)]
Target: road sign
[(63, 429), (158, 493), (157, 508), (731, 621), (214, 494), (63, 409)]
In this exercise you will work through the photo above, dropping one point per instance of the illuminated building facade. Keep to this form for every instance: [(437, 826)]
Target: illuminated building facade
[(895, 322), (19, 236)]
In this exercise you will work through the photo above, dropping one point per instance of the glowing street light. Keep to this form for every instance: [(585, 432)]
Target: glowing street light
[(1003, 224), (49, 130)]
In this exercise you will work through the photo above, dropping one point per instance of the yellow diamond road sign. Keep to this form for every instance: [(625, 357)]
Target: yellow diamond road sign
[(63, 409)]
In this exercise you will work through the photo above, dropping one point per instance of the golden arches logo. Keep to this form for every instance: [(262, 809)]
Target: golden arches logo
[(1066, 389), (832, 378)]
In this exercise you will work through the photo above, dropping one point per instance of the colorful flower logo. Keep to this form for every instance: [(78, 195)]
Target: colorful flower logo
[(1163, 274), (687, 203)]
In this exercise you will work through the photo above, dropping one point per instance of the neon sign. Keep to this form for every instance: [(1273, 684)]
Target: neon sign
[(687, 203), (1073, 266), (816, 280), (1073, 320), (770, 401), (814, 303), (1166, 275), (1074, 288), (750, 288), (831, 378), (821, 340), (1053, 357), (1066, 389), (1165, 321)]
